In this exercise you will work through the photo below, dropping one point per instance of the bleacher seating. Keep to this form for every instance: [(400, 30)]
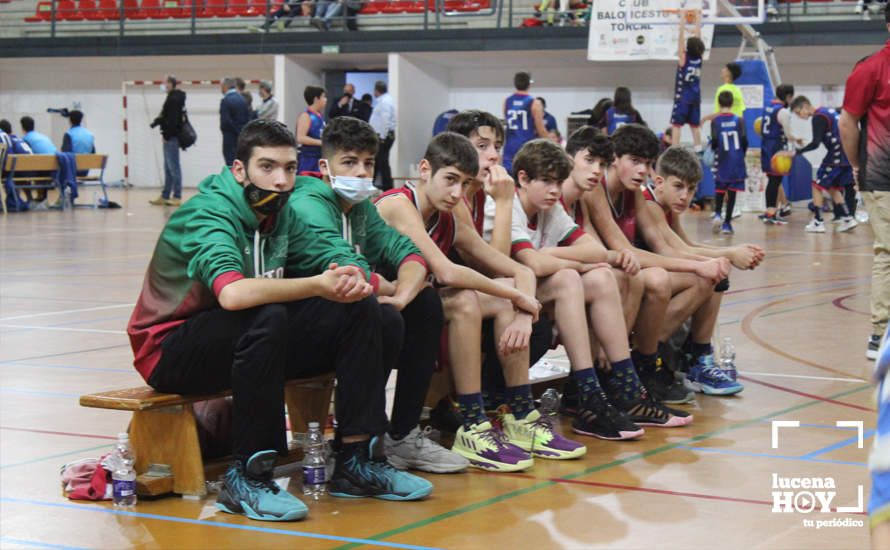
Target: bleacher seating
[(105, 10)]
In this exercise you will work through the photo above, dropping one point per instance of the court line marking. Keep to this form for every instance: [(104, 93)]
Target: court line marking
[(25, 391), (803, 376), (45, 299), (50, 457), (63, 353), (23, 364), (805, 394), (50, 432), (839, 445), (254, 528), (593, 469), (64, 312), (63, 329), (37, 544), (748, 331), (813, 290), (772, 456), (66, 324), (777, 285), (839, 302)]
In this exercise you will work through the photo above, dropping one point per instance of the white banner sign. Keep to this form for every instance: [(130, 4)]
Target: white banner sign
[(619, 32)]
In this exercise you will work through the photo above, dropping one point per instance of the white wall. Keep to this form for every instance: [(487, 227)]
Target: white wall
[(419, 88), (30, 86), (291, 78)]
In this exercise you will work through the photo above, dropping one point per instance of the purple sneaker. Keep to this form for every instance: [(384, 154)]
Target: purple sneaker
[(486, 448), (536, 435)]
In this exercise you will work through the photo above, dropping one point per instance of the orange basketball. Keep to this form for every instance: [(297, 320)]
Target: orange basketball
[(781, 162), (758, 126)]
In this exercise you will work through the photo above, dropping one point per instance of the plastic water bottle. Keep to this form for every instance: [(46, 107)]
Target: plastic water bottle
[(549, 402), (314, 462), (123, 476), (727, 358)]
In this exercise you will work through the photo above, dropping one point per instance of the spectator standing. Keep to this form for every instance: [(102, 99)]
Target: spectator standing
[(383, 120), (233, 115), (867, 97), (170, 121), (269, 107)]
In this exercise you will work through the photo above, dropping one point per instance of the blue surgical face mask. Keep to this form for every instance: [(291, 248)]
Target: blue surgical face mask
[(351, 189)]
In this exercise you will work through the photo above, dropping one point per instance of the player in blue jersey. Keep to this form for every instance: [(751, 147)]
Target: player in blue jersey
[(310, 124), (621, 112), (687, 85), (549, 120), (525, 118), (775, 129), (729, 142), (835, 173)]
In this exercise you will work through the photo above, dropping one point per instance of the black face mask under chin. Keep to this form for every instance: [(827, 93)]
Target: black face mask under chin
[(264, 201)]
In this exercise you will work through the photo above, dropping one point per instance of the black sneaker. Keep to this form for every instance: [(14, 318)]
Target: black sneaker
[(363, 471), (784, 211), (445, 416), (646, 412), (661, 383), (874, 344), (598, 418)]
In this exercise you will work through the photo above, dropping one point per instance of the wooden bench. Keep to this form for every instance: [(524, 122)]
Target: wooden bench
[(87, 162), (163, 430), (19, 168)]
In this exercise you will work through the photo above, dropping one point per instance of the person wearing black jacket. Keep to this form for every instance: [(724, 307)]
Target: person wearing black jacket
[(349, 105), (234, 114), (170, 121)]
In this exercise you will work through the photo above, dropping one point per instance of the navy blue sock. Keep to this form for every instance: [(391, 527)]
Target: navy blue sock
[(623, 380), (701, 349), (471, 409), (520, 400), (588, 383)]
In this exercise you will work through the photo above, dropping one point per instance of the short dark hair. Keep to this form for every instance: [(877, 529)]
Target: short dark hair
[(239, 83), (467, 122), (679, 162), (799, 102), (76, 117), (266, 85), (734, 69), (543, 102), (6, 126), (622, 102), (262, 133), (311, 93), (593, 140), (636, 140), (346, 133), (522, 80), (367, 97), (27, 124), (725, 98), (783, 91), (542, 159), (695, 47), (380, 86), (452, 149)]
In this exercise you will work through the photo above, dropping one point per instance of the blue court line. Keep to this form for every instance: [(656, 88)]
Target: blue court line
[(38, 392), (65, 324), (36, 544), (839, 445), (63, 353), (767, 455), (50, 457), (22, 364), (254, 528)]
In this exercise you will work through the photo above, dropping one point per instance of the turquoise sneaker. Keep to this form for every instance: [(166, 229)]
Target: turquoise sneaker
[(250, 490), (363, 471)]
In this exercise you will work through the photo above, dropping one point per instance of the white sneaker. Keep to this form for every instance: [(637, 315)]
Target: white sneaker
[(716, 223), (861, 215), (815, 226), (40, 205), (737, 213), (771, 10), (417, 451), (859, 7), (847, 224)]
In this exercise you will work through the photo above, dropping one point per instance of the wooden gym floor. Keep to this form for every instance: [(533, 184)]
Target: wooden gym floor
[(800, 322)]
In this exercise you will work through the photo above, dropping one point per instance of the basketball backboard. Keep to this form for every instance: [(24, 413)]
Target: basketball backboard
[(714, 12)]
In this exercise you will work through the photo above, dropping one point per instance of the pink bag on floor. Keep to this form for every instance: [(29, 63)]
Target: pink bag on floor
[(87, 479)]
